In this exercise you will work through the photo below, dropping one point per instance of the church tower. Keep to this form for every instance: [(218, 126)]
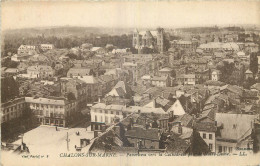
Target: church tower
[(136, 42), (160, 37)]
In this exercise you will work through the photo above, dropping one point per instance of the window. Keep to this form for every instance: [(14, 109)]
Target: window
[(101, 119), (106, 111), (95, 118), (112, 112), (210, 136), (220, 149), (230, 149), (210, 146), (117, 112), (225, 149), (204, 136), (106, 119), (100, 111)]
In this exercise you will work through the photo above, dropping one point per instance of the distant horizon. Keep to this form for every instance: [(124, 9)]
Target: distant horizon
[(173, 27), (116, 14)]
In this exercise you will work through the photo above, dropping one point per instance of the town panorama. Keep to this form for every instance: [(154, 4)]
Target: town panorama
[(180, 91)]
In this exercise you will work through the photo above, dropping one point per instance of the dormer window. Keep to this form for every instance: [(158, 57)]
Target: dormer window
[(234, 126)]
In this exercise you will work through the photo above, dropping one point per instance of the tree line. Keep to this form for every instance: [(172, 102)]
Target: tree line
[(12, 42)]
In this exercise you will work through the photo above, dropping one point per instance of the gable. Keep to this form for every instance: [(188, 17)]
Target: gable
[(177, 108)]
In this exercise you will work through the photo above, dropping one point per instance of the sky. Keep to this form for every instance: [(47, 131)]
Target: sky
[(15, 15)]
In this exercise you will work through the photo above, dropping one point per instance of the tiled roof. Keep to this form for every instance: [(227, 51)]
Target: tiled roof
[(79, 71), (206, 126), (234, 125), (150, 134), (46, 101), (40, 67), (185, 119)]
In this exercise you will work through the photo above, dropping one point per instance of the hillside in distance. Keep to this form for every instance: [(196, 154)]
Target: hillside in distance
[(65, 31)]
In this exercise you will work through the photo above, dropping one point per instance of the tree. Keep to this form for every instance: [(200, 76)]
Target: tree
[(9, 63), (9, 89), (255, 141), (254, 62), (71, 96), (226, 70), (72, 56)]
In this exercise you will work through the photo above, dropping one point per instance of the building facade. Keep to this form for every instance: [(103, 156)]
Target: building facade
[(52, 111), (104, 115), (12, 109)]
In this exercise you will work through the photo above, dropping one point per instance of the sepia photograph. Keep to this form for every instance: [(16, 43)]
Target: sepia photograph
[(130, 83)]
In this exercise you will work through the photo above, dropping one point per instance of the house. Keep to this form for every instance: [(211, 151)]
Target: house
[(40, 71), (190, 45), (120, 90), (160, 81), (143, 138), (165, 71), (12, 109), (234, 132), (186, 79), (121, 51), (104, 115), (107, 82), (26, 49), (79, 72), (46, 47), (256, 86), (248, 74), (182, 125), (78, 88), (176, 109), (93, 87), (52, 111), (215, 75), (213, 84), (207, 132), (98, 50)]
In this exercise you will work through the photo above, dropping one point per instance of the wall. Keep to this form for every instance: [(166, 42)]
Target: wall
[(209, 141)]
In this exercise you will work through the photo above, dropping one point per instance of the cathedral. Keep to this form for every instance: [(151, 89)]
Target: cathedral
[(149, 39)]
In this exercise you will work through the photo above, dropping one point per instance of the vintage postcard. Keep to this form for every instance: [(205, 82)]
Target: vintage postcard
[(130, 83)]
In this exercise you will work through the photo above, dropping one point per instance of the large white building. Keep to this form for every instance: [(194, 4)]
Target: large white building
[(45, 47), (102, 115), (54, 111), (26, 49)]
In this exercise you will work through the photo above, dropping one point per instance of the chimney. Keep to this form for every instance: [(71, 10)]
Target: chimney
[(154, 103), (179, 128)]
